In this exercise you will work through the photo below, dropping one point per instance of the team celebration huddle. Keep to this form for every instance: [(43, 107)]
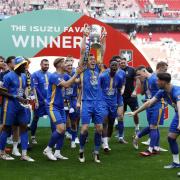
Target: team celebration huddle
[(76, 98)]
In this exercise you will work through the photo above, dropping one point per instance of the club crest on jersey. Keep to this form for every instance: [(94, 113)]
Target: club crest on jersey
[(20, 92), (69, 91), (46, 86), (93, 80)]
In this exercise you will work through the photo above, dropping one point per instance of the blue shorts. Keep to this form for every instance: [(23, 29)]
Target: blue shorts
[(174, 124), (76, 114), (13, 113), (155, 114), (132, 102), (41, 111), (92, 110), (109, 111), (57, 116), (29, 114)]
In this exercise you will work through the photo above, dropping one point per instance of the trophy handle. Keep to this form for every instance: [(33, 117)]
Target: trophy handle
[(104, 32), (86, 25), (86, 30)]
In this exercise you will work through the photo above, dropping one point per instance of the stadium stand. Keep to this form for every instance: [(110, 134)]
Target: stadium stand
[(98, 8), (160, 36)]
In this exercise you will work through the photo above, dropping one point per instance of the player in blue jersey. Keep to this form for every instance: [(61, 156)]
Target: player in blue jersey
[(68, 134), (71, 97), (111, 84), (91, 107), (55, 105), (15, 113), (41, 82), (90, 96), (155, 114), (171, 94), (120, 110)]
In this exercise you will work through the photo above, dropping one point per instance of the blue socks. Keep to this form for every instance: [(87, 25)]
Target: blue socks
[(3, 139), (82, 140), (144, 132), (68, 130), (24, 140), (54, 138), (34, 127), (158, 138), (121, 128), (153, 137), (173, 145), (97, 141), (74, 135), (60, 142)]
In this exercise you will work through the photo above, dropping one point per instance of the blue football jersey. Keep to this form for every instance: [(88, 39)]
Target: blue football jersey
[(55, 97)]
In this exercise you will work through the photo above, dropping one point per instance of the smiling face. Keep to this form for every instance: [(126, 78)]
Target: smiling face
[(113, 66), (92, 62), (122, 63), (141, 74), (69, 66), (45, 65)]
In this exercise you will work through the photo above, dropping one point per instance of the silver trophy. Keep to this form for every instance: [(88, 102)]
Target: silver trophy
[(96, 33)]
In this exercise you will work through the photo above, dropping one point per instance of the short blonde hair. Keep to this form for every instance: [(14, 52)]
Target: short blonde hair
[(57, 61)]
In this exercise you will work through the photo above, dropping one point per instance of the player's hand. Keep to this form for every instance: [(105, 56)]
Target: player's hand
[(78, 105), (79, 70), (36, 105), (22, 100), (178, 127), (130, 113), (86, 31), (134, 94)]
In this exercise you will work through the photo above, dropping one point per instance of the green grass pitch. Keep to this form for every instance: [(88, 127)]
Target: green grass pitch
[(122, 163)]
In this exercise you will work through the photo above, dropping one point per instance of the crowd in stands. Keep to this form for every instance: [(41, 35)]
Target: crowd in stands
[(98, 8)]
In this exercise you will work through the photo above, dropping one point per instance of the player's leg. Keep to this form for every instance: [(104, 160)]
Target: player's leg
[(111, 119), (98, 121), (74, 118), (110, 127), (8, 114), (6, 130), (97, 141), (68, 126), (23, 120), (57, 136), (172, 140), (61, 129), (68, 121), (105, 135), (154, 116), (34, 126), (105, 129), (143, 132), (133, 104), (16, 135), (120, 117), (86, 114)]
